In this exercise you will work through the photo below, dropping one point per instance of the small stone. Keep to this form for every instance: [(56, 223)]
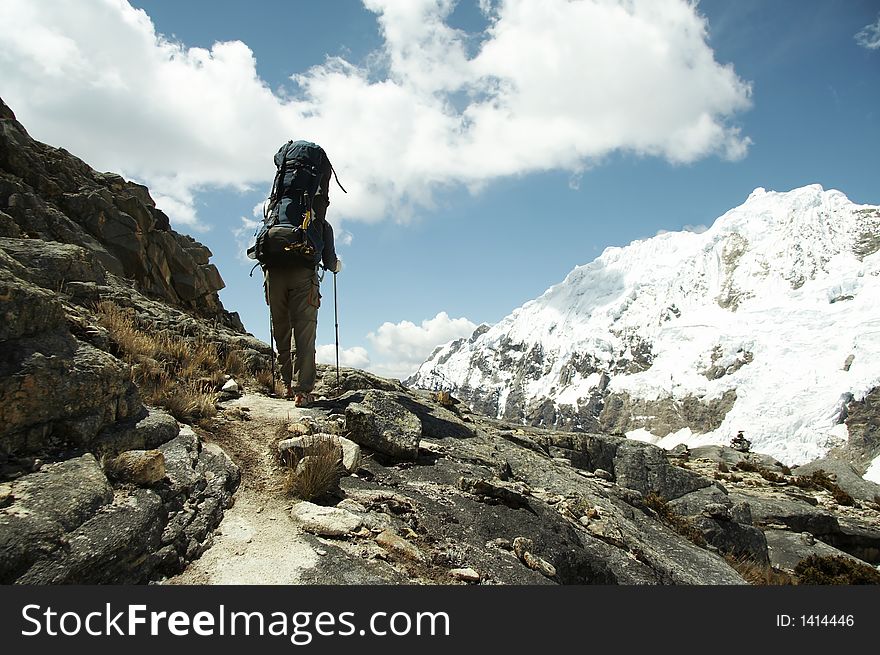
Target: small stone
[(584, 520), (231, 386), (521, 545), (325, 521), (465, 575), (503, 471), (6, 496), (351, 454), (299, 429), (602, 474), (539, 564), (351, 505), (394, 543)]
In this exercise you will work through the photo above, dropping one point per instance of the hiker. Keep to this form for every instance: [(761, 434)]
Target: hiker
[(295, 240)]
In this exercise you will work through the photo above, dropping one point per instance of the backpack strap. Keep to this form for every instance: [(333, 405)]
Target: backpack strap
[(336, 177)]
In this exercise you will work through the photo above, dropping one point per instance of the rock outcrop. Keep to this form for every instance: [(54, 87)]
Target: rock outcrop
[(97, 486), (485, 501)]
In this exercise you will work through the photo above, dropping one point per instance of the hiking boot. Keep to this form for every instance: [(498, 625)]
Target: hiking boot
[(289, 394), (303, 399)]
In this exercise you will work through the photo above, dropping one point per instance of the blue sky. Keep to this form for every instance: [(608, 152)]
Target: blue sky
[(488, 147)]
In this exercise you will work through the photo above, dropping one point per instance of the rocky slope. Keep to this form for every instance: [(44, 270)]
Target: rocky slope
[(765, 323), (94, 485), (440, 495)]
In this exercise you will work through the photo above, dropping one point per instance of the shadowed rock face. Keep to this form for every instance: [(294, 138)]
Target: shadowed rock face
[(593, 508), (69, 238)]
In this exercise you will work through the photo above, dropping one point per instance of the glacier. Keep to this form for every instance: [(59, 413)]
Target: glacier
[(766, 323)]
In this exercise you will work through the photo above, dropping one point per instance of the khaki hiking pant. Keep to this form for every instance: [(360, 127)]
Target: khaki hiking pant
[(294, 297)]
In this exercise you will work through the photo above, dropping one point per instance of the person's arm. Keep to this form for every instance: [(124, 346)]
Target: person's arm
[(331, 261)]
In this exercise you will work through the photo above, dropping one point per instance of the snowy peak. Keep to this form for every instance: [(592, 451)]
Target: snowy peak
[(688, 337)]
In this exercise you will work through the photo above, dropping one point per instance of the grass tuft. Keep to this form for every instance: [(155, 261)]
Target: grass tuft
[(835, 570), (757, 573), (169, 370), (819, 479), (317, 471)]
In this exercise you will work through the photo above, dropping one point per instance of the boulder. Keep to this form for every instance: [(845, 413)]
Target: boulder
[(25, 309), (731, 457), (787, 548), (138, 467), (154, 428), (794, 514), (56, 379), (378, 422), (846, 477), (43, 506), (645, 468), (325, 521), (113, 547), (737, 539)]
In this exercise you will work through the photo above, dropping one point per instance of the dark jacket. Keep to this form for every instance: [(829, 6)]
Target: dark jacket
[(328, 256)]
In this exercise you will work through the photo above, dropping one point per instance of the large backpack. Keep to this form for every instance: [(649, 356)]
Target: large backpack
[(293, 226)]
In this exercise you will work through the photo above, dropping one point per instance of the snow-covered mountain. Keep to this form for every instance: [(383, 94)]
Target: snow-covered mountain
[(768, 323)]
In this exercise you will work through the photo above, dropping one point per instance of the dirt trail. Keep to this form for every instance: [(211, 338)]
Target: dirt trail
[(257, 542)]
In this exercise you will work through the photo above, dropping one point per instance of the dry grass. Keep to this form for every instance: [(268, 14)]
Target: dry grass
[(835, 570), (169, 370), (320, 471), (756, 573), (233, 363), (820, 479), (268, 385), (130, 341), (187, 403)]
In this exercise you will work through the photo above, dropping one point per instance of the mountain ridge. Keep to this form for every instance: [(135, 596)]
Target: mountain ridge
[(690, 338)]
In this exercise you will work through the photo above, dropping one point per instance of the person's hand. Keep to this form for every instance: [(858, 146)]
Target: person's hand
[(338, 267)]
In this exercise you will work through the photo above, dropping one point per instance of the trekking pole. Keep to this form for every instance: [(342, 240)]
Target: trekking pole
[(272, 347), (336, 318), (271, 333)]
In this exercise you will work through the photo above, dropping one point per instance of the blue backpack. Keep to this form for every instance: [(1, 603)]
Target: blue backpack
[(293, 217)]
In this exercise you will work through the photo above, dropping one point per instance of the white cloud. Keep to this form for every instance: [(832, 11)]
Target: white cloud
[(244, 236), (869, 36), (400, 348), (552, 85), (355, 357)]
